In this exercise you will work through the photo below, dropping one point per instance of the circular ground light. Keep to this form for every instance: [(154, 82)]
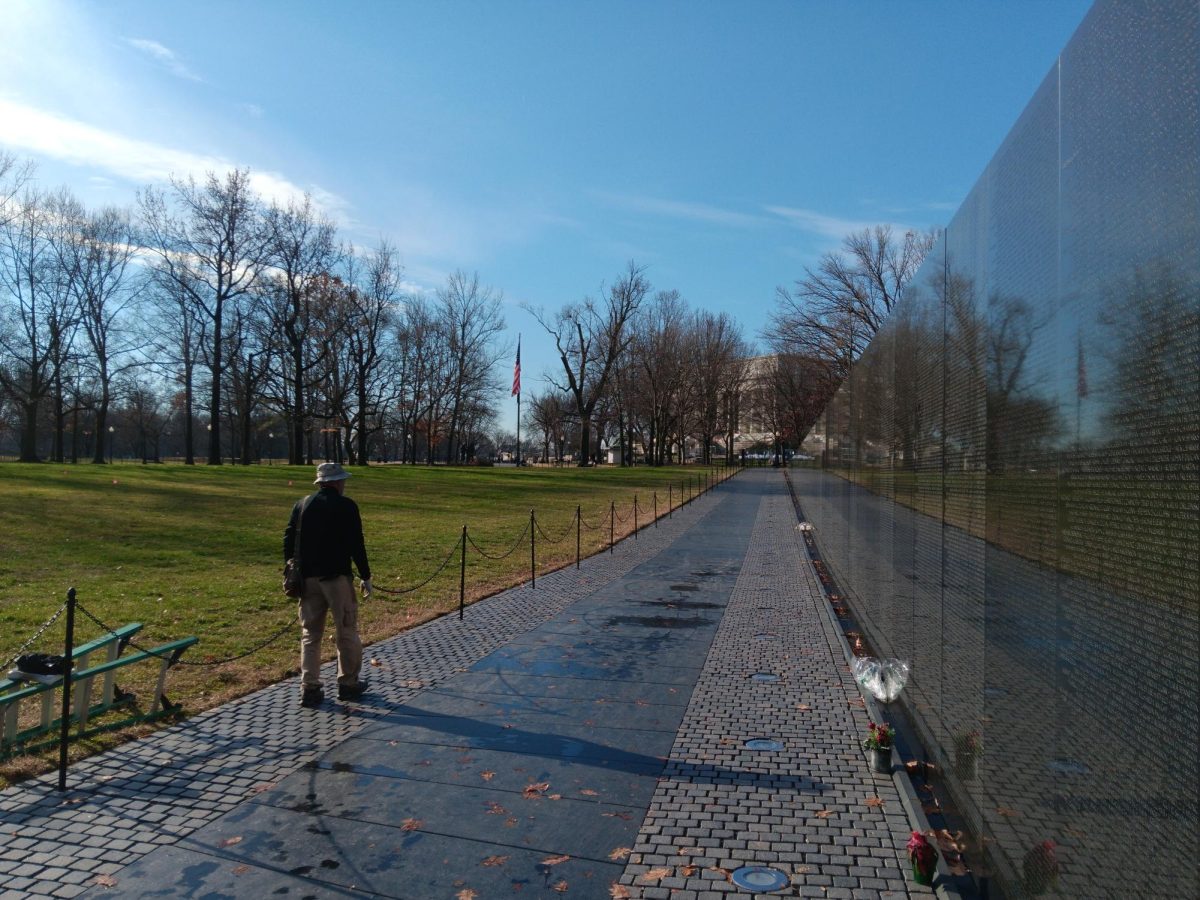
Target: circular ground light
[(769, 677), (760, 879), (763, 744)]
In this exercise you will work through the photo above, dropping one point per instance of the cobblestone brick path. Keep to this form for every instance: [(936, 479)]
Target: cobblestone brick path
[(584, 738)]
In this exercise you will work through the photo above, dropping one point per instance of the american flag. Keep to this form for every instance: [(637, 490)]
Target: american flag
[(516, 388)]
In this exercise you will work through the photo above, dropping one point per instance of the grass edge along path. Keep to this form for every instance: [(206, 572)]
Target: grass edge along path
[(198, 550)]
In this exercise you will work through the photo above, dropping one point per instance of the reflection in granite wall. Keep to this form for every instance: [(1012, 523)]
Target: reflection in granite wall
[(1011, 492)]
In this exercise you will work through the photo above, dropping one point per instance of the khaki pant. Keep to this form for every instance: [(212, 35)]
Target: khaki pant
[(335, 595)]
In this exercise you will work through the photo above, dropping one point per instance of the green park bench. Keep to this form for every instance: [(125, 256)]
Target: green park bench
[(83, 678)]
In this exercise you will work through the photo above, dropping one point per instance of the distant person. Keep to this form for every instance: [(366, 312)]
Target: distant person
[(330, 537)]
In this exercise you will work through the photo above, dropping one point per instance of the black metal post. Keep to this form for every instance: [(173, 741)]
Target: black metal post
[(670, 499), (578, 525), (532, 551), (65, 730), (635, 517), (655, 509), (462, 577), (612, 523)]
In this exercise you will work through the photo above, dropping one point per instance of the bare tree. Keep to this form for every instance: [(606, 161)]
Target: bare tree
[(98, 249), (302, 251), (210, 245), (548, 413), (658, 359), (37, 316), (471, 321), (719, 359), (590, 337), (371, 315), (833, 312)]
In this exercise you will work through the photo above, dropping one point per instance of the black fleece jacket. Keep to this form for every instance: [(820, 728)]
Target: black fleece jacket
[(331, 536)]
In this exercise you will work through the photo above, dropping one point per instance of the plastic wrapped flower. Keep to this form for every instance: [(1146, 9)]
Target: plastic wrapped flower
[(923, 856)]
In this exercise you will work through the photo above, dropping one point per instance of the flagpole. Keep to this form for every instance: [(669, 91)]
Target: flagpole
[(517, 391)]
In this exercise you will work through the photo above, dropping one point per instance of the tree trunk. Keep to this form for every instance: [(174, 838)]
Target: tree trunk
[(585, 442), (29, 433)]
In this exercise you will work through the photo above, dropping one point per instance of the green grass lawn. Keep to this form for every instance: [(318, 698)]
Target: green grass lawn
[(198, 550)]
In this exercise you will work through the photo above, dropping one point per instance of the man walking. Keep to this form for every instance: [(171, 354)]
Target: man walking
[(328, 529)]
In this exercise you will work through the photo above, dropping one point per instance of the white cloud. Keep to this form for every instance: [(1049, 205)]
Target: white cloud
[(251, 109), (164, 56), (819, 223), (679, 209), (41, 133)]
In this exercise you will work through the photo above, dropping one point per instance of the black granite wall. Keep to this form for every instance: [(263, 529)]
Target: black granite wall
[(1011, 488)]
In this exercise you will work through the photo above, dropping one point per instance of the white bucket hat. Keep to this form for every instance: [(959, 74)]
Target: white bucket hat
[(330, 472)]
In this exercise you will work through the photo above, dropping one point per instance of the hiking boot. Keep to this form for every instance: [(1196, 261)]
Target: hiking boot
[(352, 691), (312, 696)]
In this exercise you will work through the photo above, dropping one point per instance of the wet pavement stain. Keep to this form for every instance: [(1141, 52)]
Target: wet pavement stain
[(680, 604), (660, 622)]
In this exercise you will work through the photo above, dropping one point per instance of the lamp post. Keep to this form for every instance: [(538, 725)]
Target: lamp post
[(110, 443), (270, 447), (407, 442)]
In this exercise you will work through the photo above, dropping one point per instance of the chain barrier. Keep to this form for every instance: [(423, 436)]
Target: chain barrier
[(620, 518), (550, 540), (507, 553), (417, 587), (37, 634), (584, 522), (213, 662)]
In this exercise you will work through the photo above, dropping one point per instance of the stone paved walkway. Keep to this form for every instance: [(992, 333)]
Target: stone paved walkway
[(584, 738)]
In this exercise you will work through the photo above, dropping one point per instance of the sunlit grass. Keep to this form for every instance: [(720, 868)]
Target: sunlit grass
[(198, 550)]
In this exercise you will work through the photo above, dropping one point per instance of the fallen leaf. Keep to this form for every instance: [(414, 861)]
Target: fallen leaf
[(688, 871), (588, 792), (620, 853), (495, 809), (510, 822), (803, 707), (411, 825), (466, 894), (1007, 812), (617, 815), (376, 663), (109, 881), (240, 870), (229, 842), (561, 887), (487, 776), (874, 802), (534, 791), (824, 813), (493, 861), (618, 891), (259, 788), (554, 860), (656, 874), (554, 796)]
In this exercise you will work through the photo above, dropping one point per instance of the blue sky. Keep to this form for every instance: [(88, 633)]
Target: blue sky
[(543, 144)]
